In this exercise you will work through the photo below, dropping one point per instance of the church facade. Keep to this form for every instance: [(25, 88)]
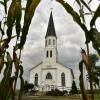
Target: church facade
[(50, 73)]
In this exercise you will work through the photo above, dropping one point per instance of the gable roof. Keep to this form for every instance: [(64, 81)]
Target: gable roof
[(36, 66), (63, 65)]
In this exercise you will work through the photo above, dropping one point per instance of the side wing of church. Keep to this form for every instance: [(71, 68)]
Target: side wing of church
[(50, 73)]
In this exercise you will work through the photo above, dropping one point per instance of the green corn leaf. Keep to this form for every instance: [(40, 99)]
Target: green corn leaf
[(9, 88), (22, 82), (21, 70), (9, 59), (16, 47), (82, 81), (2, 2), (6, 88), (16, 61), (11, 19), (21, 88), (89, 1), (84, 3), (29, 13), (96, 15), (8, 70), (5, 5), (1, 29), (4, 45), (89, 36), (14, 13), (1, 63), (81, 67), (5, 40), (82, 14), (18, 17), (78, 2)]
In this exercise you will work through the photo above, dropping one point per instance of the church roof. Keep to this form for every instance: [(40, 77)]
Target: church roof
[(51, 27), (35, 66)]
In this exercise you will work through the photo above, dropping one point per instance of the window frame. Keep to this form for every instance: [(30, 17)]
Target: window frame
[(47, 53), (36, 80), (49, 41), (50, 53), (49, 76), (63, 79), (53, 42)]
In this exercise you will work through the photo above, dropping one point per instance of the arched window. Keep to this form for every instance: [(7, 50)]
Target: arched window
[(45, 42), (51, 53), (63, 79), (36, 80), (47, 54), (53, 42), (49, 41), (48, 76)]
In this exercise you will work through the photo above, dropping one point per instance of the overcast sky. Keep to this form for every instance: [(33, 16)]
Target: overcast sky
[(70, 36)]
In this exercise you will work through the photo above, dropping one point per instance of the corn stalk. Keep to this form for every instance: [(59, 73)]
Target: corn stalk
[(12, 60)]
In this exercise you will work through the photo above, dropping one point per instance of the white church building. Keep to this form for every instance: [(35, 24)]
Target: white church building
[(50, 73)]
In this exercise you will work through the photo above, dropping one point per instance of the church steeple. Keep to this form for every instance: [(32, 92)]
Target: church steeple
[(51, 27), (50, 51)]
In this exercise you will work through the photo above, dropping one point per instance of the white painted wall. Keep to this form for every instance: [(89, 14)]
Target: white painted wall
[(50, 47), (56, 71), (35, 70)]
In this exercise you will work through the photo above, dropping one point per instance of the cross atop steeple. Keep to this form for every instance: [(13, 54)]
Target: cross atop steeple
[(51, 27)]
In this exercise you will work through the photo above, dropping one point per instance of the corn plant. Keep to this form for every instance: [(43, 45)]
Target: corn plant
[(12, 60)]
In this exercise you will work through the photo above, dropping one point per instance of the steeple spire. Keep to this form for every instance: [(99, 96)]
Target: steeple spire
[(51, 27)]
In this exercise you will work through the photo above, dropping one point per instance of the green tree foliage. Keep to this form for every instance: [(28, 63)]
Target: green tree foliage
[(94, 72), (93, 59), (28, 87), (95, 69), (12, 60), (74, 88)]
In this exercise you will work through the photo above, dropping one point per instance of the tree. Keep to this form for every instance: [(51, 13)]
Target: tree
[(95, 70), (93, 60), (28, 87), (74, 88), (25, 87)]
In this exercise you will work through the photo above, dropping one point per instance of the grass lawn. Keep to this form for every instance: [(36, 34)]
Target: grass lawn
[(50, 98), (97, 97)]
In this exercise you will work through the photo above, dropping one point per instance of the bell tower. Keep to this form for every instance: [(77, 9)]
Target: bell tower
[(50, 51)]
